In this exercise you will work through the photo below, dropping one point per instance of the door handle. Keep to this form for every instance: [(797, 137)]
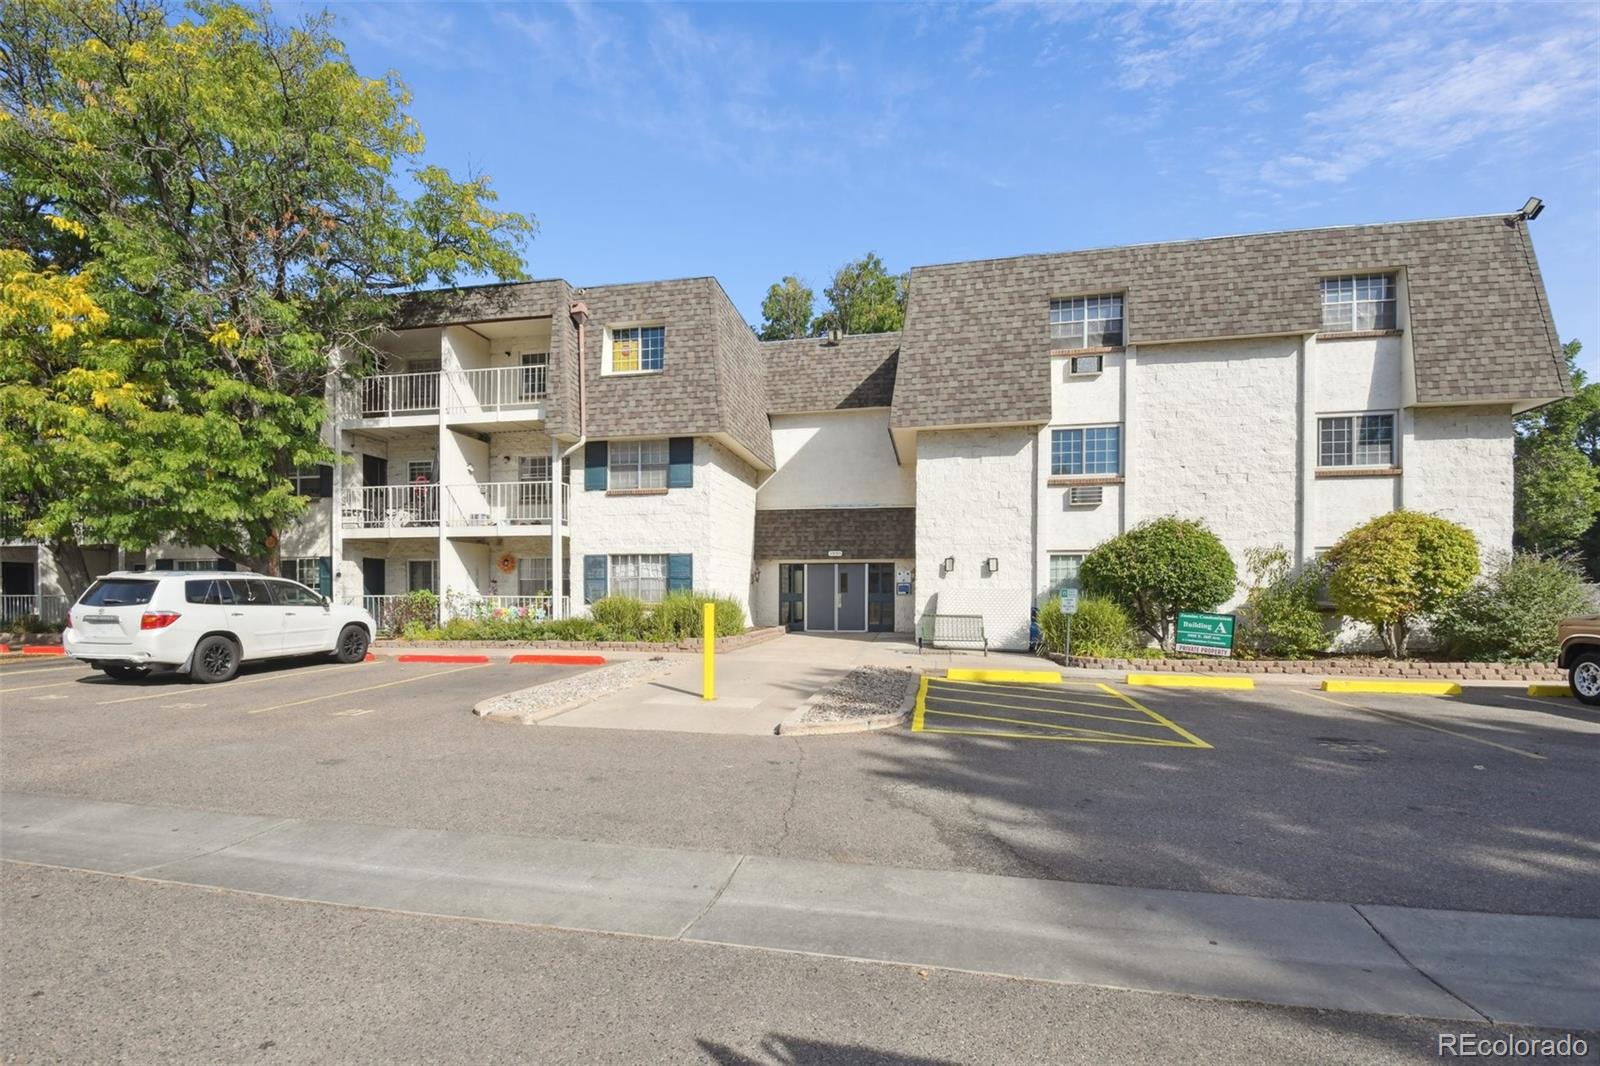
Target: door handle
[(286, 614)]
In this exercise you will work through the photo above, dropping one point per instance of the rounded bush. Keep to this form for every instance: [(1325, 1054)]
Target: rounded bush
[(623, 615), (1159, 568), (1513, 612), (1399, 568)]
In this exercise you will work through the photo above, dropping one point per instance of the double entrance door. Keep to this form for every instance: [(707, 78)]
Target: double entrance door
[(840, 597)]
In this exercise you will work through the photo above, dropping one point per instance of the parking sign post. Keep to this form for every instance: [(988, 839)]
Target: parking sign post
[(1069, 607)]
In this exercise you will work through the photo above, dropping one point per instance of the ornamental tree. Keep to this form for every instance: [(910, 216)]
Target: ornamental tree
[(1159, 568), (1398, 568), (239, 202), (786, 312)]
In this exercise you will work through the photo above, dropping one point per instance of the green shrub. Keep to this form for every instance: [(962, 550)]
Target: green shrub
[(1399, 568), (1158, 568), (679, 616), (623, 615), (421, 606), (582, 629), (1052, 623), (1512, 613), (419, 630), (1101, 628), (1279, 617)]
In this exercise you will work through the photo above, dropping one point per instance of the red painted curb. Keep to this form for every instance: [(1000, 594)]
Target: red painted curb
[(441, 658), (43, 649), (561, 660), (5, 649), (371, 658)]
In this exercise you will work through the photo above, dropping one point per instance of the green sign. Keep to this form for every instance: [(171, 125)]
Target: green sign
[(1069, 600), (1205, 634)]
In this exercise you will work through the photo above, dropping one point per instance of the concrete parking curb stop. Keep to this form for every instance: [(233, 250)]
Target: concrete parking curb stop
[(1189, 681), (1023, 677), (1558, 691), (794, 726), (471, 660), (1393, 688)]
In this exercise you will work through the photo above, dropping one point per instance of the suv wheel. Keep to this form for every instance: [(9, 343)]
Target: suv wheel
[(1585, 677), (126, 673), (215, 659), (352, 644)]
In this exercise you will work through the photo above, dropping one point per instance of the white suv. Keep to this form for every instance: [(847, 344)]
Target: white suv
[(206, 623)]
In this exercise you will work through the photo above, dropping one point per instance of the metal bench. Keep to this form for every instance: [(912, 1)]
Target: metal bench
[(952, 628)]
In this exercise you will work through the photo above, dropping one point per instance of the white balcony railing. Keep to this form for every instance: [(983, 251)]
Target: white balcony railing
[(399, 394), (502, 503), (537, 607), (392, 507), (48, 609), (496, 389)]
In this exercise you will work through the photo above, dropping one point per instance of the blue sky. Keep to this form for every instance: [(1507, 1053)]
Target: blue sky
[(753, 141)]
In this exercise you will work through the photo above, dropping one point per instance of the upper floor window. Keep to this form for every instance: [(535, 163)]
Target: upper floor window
[(1355, 440), (637, 349), (638, 464), (1358, 302), (1091, 450), (1086, 322)]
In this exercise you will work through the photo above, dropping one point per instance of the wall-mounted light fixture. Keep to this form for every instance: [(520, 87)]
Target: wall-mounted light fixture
[(948, 565), (993, 564)]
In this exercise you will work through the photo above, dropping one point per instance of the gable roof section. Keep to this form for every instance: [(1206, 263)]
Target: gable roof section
[(809, 374), (976, 343)]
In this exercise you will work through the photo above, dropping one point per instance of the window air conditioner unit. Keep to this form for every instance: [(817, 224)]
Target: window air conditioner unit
[(1085, 495)]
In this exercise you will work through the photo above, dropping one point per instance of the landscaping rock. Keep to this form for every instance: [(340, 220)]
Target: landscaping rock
[(864, 693), (531, 705)]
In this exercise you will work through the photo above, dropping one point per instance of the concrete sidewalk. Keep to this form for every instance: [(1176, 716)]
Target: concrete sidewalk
[(759, 686), (1383, 960)]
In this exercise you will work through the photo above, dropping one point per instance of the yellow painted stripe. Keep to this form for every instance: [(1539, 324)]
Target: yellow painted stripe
[(1163, 719), (921, 706), (1014, 707), (1041, 725), (369, 688), (1394, 688), (1190, 681), (1000, 734), (1549, 690), (1029, 677), (1062, 694), (1406, 720)]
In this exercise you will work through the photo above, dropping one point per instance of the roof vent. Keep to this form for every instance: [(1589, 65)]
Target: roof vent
[(833, 336)]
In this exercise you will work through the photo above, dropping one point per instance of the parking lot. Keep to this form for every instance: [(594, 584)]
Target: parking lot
[(1481, 802)]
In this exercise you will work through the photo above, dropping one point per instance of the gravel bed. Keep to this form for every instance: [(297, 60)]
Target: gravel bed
[(865, 692), (573, 689)]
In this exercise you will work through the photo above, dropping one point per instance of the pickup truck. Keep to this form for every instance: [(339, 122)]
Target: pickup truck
[(1580, 656)]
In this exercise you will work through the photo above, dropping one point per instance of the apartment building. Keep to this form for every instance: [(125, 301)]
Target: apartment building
[(538, 445)]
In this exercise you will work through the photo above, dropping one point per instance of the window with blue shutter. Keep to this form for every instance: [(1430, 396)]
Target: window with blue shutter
[(594, 577), (325, 575), (680, 463), (680, 573), (594, 467)]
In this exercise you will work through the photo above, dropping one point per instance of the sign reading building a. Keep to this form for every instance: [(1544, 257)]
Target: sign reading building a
[(1205, 634)]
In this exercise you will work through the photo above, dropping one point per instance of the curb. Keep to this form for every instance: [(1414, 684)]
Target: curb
[(560, 660), (476, 660), (1399, 688), (1558, 691), (1025, 677), (481, 708), (1191, 681), (791, 726)]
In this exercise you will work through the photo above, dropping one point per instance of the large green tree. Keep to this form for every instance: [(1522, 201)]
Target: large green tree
[(786, 312), (863, 297), (239, 202), (1558, 471)]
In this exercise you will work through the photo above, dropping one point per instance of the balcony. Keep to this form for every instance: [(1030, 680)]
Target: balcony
[(492, 507), (392, 507), (391, 395), (498, 394), (52, 610), (498, 505)]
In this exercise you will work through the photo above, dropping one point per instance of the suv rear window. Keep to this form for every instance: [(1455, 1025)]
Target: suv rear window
[(118, 592)]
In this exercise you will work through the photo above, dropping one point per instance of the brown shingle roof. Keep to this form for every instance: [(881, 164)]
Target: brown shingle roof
[(976, 336), (810, 374)]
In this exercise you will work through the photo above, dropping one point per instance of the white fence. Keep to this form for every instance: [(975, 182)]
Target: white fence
[(382, 610), (502, 503), (518, 606), (496, 389), (392, 507), (399, 394), (49, 609)]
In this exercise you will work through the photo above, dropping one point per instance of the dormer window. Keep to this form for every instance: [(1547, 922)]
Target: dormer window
[(1086, 322), (1358, 303)]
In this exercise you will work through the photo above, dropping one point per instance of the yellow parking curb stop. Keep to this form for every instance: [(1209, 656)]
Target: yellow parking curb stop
[(1549, 690), (1399, 688), (1190, 681), (1026, 677)]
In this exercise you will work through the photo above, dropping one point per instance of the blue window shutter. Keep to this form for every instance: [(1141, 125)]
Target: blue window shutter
[(680, 462), (325, 482), (594, 467), (223, 564), (325, 575), (680, 573), (594, 578)]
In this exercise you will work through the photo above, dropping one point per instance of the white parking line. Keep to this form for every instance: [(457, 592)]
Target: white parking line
[(368, 688), (167, 690)]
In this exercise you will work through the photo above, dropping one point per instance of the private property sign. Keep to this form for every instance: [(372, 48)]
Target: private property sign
[(1205, 634)]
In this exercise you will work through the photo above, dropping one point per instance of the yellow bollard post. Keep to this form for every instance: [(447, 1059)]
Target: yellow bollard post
[(709, 640)]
